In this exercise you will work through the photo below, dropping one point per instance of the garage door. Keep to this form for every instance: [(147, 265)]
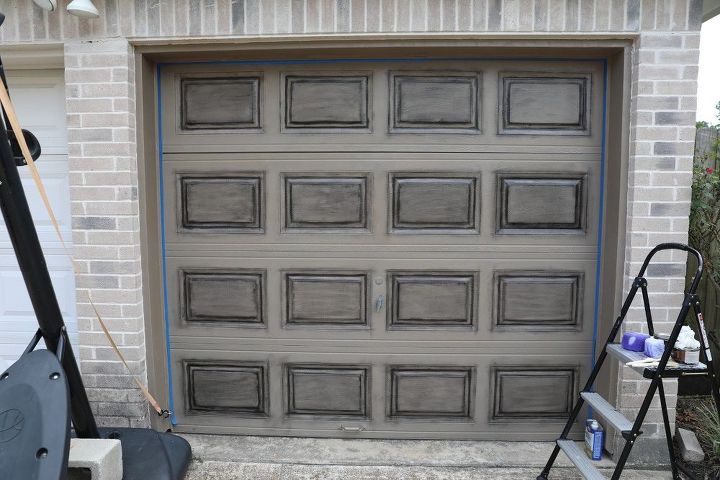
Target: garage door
[(380, 249), (39, 98)]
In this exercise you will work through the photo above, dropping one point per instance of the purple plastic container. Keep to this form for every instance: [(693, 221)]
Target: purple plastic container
[(634, 341)]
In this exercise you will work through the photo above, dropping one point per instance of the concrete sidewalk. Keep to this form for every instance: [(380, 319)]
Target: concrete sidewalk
[(219, 457)]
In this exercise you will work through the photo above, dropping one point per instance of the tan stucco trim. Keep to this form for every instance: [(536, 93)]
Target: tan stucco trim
[(495, 44), (711, 9), (33, 55)]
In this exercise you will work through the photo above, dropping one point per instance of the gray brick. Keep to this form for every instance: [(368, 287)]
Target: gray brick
[(541, 15), (557, 15), (632, 16), (674, 118), (666, 269), (121, 409), (358, 15), (449, 20), (97, 281), (661, 41), (695, 15), (252, 16), (602, 15), (672, 148), (572, 11), (670, 209), (105, 421), (94, 223), (237, 16), (657, 103), (480, 15), (495, 15)]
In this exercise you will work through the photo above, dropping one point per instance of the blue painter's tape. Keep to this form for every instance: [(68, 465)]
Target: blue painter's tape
[(373, 60), (598, 259), (171, 400), (325, 61)]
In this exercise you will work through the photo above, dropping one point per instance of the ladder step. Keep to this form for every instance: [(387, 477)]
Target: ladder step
[(580, 460), (625, 356), (607, 411)]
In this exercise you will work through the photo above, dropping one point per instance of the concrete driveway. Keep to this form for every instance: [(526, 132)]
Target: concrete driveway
[(219, 457)]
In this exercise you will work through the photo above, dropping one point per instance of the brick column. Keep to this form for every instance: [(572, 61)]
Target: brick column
[(100, 90), (659, 189)]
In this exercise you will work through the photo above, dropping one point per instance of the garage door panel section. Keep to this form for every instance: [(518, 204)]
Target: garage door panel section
[(446, 106), (435, 102), (383, 248), (541, 203), (220, 296), (430, 392), (536, 103), (225, 202), (219, 102), (465, 396), (524, 393), (381, 200), (326, 202), (326, 102), (331, 298), (424, 299), (545, 300), (226, 387), (327, 390), (438, 202)]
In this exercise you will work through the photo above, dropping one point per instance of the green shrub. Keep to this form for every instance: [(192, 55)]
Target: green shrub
[(704, 231)]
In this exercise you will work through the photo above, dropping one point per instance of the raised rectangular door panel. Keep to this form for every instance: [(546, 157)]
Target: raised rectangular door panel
[(544, 104), (223, 296), (533, 393), (226, 387), (434, 203), (337, 390), (326, 102), (538, 300), (220, 203), (541, 203), (435, 101), (220, 103), (430, 391), (431, 300), (331, 298), (326, 202)]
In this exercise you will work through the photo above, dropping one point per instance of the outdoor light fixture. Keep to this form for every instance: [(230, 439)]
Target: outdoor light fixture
[(82, 9), (49, 5)]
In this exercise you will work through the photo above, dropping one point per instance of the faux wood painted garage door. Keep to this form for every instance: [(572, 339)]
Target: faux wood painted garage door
[(381, 249)]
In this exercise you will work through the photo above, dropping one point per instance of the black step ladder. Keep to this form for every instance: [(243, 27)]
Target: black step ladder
[(630, 429)]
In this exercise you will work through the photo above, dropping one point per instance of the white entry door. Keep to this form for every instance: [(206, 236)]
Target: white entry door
[(39, 98)]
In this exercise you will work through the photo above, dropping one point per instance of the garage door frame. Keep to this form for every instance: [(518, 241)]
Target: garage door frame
[(614, 49)]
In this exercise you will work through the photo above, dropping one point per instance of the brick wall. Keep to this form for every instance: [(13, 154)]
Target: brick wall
[(179, 18), (101, 110), (100, 94), (660, 175)]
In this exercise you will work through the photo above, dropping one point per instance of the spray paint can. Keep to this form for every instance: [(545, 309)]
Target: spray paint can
[(594, 439)]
